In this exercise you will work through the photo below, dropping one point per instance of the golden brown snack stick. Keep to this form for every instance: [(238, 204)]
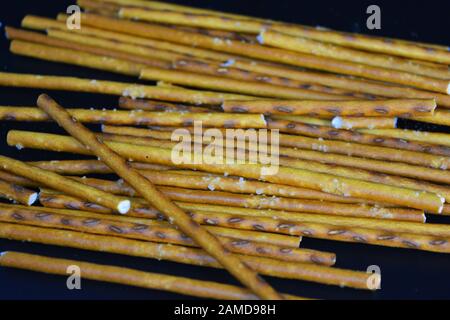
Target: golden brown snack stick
[(373, 88), (122, 117), (304, 119), (411, 135), (131, 50), (218, 83), (34, 140), (292, 157), (151, 105), (364, 123), (282, 40), (156, 231), (144, 187), (78, 58), (269, 54), (35, 37), (326, 132), (17, 193), (276, 203), (348, 232), (361, 150), (185, 255), (204, 181), (303, 157), (142, 209), (40, 23), (129, 277), (309, 46), (437, 230), (113, 88), (239, 70), (440, 116), (82, 167), (368, 43), (163, 6), (58, 182), (288, 176), (360, 108)]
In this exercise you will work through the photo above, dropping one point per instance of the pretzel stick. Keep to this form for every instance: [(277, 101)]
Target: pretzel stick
[(291, 158), (40, 23), (72, 187), (211, 182), (17, 193), (152, 195), (35, 37), (411, 135), (154, 231), (283, 269), (141, 209), (440, 116), (214, 211), (139, 118), (113, 88), (359, 137), (81, 167), (328, 231), (270, 54), (224, 70), (150, 105), (378, 108), (360, 150), (304, 45), (256, 52), (295, 205), (364, 123), (78, 58), (250, 24), (154, 5), (282, 40), (231, 85), (305, 119), (288, 176), (131, 49), (130, 277), (40, 141)]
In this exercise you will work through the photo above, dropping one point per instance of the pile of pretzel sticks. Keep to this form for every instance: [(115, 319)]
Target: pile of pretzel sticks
[(346, 172)]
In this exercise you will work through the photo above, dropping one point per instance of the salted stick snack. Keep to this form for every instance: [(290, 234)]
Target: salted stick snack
[(218, 83), (289, 176), (144, 187), (28, 36), (64, 184), (363, 137), (193, 256), (309, 46), (140, 118), (155, 231), (412, 135), (283, 40), (17, 193), (269, 53), (78, 58), (186, 38), (114, 88), (160, 106), (168, 13), (129, 277), (358, 108)]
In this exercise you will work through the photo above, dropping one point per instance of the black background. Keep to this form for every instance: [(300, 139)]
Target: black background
[(407, 274)]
